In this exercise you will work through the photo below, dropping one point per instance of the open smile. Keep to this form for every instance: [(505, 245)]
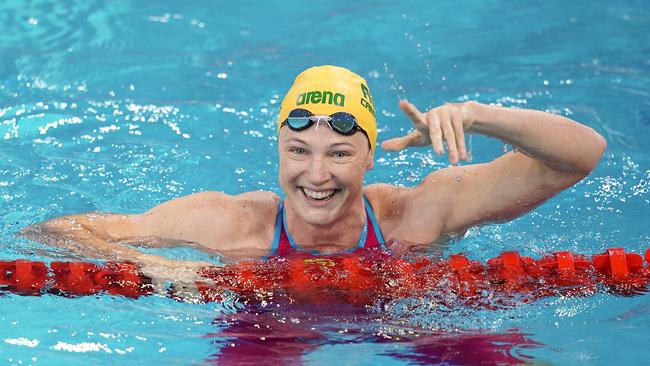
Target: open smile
[(321, 196)]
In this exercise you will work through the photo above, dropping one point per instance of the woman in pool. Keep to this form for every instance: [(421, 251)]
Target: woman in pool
[(327, 137)]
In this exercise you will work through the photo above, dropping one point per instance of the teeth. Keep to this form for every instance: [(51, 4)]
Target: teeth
[(318, 195)]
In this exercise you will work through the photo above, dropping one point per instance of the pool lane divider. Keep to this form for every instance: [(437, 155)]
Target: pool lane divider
[(27, 277), (358, 278)]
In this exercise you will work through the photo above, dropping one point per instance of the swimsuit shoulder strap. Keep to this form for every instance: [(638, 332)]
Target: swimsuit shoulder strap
[(281, 241), (374, 238)]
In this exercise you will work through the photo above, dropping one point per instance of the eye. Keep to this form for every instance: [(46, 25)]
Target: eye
[(341, 154), (297, 151)]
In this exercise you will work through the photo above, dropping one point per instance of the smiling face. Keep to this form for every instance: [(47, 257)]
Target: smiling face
[(321, 172)]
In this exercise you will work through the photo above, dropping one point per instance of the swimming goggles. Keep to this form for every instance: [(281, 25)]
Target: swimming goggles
[(341, 122)]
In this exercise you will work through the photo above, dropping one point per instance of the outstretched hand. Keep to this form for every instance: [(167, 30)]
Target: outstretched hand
[(446, 123), (182, 274)]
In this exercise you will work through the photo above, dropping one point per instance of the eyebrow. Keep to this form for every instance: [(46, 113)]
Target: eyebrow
[(295, 139), (341, 143), (336, 144)]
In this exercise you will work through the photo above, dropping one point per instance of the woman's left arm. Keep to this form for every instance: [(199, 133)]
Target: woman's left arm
[(553, 153)]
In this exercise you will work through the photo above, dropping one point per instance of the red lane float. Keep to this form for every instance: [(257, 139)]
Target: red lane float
[(73, 278), (358, 278)]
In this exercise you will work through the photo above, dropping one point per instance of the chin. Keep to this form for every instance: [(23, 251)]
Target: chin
[(321, 215)]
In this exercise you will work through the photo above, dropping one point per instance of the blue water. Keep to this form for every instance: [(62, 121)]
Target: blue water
[(118, 106)]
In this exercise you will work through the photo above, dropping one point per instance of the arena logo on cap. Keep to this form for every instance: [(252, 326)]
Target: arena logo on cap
[(324, 97)]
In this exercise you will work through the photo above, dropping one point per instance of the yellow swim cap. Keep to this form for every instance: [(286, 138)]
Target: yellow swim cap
[(325, 90)]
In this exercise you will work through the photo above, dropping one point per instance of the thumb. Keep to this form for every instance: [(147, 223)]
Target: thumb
[(414, 138), (394, 144), (186, 292)]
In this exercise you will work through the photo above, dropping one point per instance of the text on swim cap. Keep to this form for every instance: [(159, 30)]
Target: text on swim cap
[(324, 97), (366, 100)]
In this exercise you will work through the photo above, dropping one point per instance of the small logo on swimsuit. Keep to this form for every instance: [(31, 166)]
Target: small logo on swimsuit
[(322, 261)]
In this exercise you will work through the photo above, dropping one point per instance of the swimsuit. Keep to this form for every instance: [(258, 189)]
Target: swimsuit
[(283, 244)]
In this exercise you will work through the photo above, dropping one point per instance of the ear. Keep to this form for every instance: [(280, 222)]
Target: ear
[(370, 163)]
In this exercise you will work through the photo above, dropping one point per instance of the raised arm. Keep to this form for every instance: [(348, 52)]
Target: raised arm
[(551, 153)]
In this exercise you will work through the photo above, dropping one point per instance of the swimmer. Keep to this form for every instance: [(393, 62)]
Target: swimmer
[(327, 135)]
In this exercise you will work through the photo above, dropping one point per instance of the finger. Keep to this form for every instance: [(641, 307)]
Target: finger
[(187, 293), (457, 123), (159, 285), (414, 114), (414, 138), (448, 132), (435, 133)]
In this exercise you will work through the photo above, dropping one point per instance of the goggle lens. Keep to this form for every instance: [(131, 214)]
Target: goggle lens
[(299, 119), (299, 123), (343, 122)]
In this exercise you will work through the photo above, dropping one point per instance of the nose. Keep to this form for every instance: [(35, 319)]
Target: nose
[(318, 171)]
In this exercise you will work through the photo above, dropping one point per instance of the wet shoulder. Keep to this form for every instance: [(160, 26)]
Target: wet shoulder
[(251, 206), (399, 211), (251, 217), (386, 201), (259, 202)]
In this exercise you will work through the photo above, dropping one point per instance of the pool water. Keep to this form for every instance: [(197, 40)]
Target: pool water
[(119, 106)]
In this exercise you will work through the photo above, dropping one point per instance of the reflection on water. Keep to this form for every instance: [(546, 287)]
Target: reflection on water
[(287, 338)]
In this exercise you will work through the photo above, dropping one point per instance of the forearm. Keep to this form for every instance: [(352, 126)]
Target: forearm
[(557, 141), (79, 235), (76, 234)]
